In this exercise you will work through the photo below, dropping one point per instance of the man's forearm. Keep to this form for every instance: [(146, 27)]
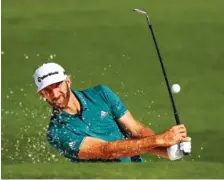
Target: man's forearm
[(128, 148), (160, 151), (146, 132)]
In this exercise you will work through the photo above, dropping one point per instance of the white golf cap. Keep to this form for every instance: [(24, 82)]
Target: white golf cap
[(48, 74)]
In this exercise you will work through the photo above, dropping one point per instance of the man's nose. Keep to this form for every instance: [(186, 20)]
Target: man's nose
[(55, 93)]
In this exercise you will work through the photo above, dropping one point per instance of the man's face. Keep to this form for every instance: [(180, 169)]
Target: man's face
[(57, 94)]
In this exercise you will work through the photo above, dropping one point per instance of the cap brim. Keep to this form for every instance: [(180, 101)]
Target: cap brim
[(52, 81)]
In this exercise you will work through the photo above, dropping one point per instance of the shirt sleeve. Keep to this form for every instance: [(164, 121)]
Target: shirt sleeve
[(118, 109), (66, 143)]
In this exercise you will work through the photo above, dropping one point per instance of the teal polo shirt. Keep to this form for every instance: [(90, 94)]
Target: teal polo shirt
[(100, 110)]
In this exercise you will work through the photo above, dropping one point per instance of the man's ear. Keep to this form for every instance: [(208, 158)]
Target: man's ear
[(40, 93), (68, 80), (41, 96)]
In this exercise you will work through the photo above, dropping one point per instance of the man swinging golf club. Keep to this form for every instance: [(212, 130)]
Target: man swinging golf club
[(94, 125)]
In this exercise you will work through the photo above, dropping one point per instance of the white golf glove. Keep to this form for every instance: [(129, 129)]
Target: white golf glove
[(176, 151)]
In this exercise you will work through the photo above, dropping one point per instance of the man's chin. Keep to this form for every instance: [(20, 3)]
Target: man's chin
[(61, 106)]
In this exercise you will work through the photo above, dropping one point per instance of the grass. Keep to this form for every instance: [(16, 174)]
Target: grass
[(104, 42), (153, 170)]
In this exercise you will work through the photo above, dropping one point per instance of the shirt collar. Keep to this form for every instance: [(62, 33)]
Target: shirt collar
[(64, 116), (81, 98)]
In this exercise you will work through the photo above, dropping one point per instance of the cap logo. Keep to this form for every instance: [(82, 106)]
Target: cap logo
[(39, 79)]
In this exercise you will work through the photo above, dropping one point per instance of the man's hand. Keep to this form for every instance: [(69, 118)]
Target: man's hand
[(174, 135), (176, 151)]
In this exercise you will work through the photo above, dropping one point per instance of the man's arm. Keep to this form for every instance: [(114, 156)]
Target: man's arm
[(93, 148), (138, 130), (120, 113)]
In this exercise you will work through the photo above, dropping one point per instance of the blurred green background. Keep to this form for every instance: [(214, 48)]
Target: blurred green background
[(105, 42)]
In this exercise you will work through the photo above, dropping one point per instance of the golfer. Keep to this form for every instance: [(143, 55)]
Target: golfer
[(93, 125)]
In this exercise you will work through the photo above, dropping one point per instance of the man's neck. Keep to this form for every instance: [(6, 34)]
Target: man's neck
[(73, 106)]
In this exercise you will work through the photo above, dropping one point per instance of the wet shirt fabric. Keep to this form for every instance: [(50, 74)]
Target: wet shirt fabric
[(100, 109)]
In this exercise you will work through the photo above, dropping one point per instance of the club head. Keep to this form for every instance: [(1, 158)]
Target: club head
[(140, 11), (145, 13)]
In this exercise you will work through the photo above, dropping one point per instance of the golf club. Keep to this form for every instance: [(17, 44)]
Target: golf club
[(162, 66), (176, 115)]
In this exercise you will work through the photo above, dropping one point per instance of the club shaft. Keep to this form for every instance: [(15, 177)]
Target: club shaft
[(176, 115)]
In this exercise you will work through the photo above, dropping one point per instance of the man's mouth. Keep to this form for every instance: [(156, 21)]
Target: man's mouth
[(58, 100)]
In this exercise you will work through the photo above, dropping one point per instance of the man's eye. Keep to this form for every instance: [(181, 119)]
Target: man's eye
[(58, 84), (55, 85), (47, 91)]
